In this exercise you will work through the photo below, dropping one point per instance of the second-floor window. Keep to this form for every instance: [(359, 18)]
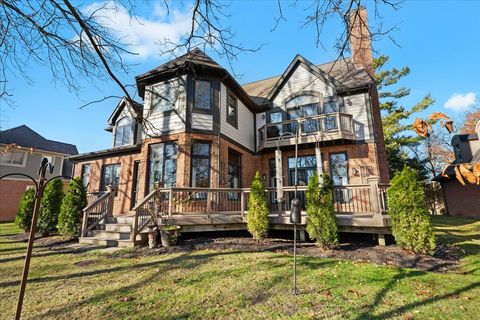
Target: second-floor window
[(13, 158), (232, 110), (110, 176), (123, 132), (203, 95), (163, 97)]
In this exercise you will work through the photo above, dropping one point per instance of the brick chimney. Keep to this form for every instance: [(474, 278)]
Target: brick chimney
[(360, 40)]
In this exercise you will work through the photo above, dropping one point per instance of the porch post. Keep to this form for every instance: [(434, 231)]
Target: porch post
[(170, 195), (374, 198), (242, 204)]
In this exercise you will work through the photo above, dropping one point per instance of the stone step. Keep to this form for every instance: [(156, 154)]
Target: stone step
[(118, 227), (110, 235), (123, 219), (107, 242)]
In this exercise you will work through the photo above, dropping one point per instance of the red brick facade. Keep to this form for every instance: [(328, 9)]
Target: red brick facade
[(11, 191), (462, 201)]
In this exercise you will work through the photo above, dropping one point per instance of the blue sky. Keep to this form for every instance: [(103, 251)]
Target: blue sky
[(438, 40)]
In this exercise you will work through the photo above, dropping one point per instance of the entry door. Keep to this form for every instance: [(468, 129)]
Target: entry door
[(133, 203)]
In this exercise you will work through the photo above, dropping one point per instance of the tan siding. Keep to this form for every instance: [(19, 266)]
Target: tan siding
[(202, 121), (356, 106), (302, 80), (245, 133)]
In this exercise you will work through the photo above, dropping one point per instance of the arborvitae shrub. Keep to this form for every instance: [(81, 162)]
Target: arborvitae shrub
[(71, 210), (25, 210), (257, 216), (409, 213), (321, 220), (50, 207)]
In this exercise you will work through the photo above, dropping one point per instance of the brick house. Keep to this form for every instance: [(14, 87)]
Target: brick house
[(26, 160), (463, 201), (202, 130)]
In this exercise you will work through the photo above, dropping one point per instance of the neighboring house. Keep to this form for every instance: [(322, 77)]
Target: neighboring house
[(462, 200), (202, 129), (25, 158)]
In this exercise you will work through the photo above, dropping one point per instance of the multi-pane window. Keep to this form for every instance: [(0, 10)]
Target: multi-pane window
[(123, 132), (232, 109), (200, 163), (203, 95), (339, 168), (163, 97), (306, 167), (14, 158), (110, 176), (304, 111), (86, 174), (332, 105), (163, 165)]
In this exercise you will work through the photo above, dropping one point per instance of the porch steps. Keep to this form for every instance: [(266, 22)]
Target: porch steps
[(114, 232)]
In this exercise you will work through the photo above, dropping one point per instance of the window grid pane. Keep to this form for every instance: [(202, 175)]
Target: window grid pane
[(202, 94)]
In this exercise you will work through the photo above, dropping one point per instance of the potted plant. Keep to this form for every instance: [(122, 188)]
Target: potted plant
[(169, 234)]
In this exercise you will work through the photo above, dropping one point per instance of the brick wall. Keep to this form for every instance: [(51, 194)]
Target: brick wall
[(462, 201), (357, 155), (11, 191)]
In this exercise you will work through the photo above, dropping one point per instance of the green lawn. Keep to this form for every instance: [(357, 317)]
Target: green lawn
[(233, 285)]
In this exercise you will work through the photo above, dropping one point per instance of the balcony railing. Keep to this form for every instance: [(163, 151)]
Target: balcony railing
[(331, 126)]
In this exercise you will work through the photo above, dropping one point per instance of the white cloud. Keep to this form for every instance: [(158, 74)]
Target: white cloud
[(461, 102), (140, 34)]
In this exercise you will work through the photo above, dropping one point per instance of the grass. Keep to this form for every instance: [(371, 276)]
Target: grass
[(232, 285)]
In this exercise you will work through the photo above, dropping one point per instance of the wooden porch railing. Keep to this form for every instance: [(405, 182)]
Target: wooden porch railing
[(98, 210), (330, 122), (167, 203)]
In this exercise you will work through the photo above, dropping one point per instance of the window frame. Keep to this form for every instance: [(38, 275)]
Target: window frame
[(154, 111), (103, 187), (193, 156), (228, 120), (291, 181), (82, 173), (210, 108), (130, 136), (331, 167), (150, 183), (11, 164)]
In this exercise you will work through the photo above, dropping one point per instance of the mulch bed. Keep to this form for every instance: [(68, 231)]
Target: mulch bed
[(445, 259)]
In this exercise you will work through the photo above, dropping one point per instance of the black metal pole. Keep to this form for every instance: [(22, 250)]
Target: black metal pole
[(33, 230), (295, 224)]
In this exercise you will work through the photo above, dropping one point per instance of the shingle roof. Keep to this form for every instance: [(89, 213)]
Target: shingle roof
[(344, 71), (26, 137)]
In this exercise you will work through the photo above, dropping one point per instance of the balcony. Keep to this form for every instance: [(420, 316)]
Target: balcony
[(324, 127)]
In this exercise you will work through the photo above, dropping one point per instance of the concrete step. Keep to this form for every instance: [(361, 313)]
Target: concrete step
[(123, 219), (107, 242), (118, 227), (111, 235)]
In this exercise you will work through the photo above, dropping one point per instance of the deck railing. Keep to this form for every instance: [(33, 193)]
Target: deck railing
[(165, 203), (328, 123), (92, 196), (97, 210)]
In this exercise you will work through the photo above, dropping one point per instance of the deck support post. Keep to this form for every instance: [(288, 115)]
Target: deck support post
[(381, 240), (242, 204), (374, 198), (170, 195), (209, 203)]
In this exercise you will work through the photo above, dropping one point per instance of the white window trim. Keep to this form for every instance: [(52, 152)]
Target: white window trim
[(23, 165)]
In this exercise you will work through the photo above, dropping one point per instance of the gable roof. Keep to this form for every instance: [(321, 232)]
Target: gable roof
[(346, 76), (137, 108), (27, 138)]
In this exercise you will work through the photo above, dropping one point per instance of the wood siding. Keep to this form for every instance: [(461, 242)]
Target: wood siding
[(302, 80), (245, 133), (173, 121), (356, 106), (201, 121)]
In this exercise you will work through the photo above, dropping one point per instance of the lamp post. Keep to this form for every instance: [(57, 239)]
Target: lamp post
[(295, 210), (39, 190)]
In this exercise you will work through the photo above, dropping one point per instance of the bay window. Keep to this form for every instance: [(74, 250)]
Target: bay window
[(200, 165), (163, 165), (203, 95)]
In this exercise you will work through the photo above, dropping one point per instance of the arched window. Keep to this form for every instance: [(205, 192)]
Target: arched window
[(123, 132)]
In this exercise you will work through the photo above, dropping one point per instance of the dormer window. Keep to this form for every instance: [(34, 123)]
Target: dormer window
[(123, 132)]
